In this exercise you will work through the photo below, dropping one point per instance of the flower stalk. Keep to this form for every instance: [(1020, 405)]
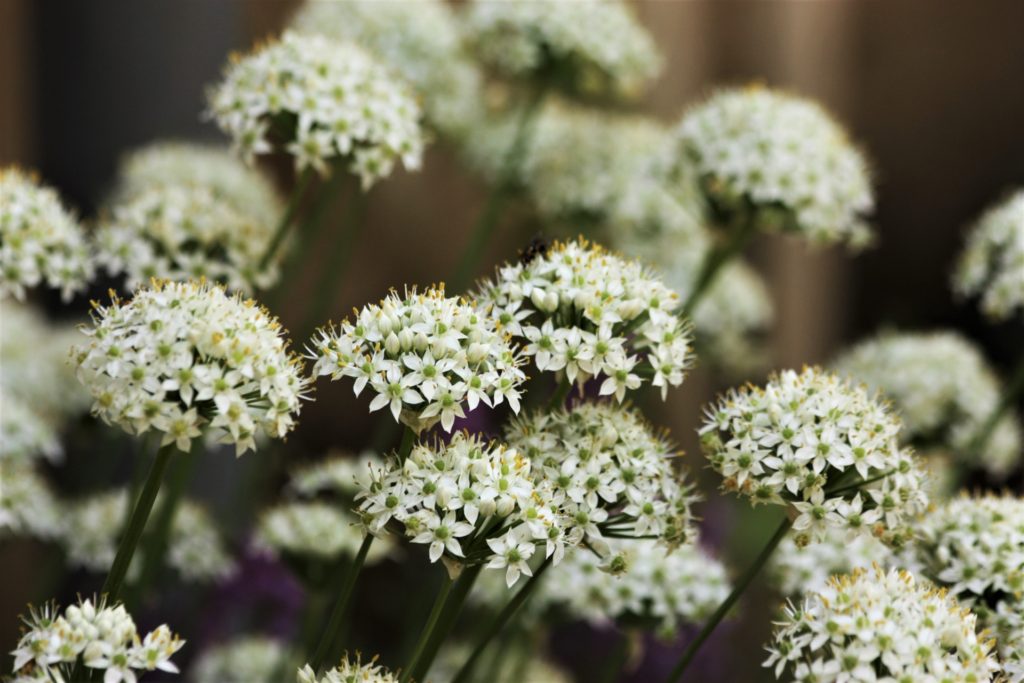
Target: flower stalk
[(287, 217), (717, 257)]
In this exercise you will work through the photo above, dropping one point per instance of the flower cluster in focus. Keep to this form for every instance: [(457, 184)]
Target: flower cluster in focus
[(993, 259), (349, 671)]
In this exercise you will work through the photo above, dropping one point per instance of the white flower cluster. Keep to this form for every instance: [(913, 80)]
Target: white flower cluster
[(822, 446), (252, 659), (195, 548), (992, 262), (96, 635), (880, 626), (349, 671), (583, 312), (665, 589), (974, 546), (27, 505), (425, 355), (181, 357), (799, 570), (40, 241), (24, 435), (456, 496), (339, 473), (420, 40), (317, 529), (320, 101), (184, 211), (590, 49), (779, 161), (944, 391), (610, 475)]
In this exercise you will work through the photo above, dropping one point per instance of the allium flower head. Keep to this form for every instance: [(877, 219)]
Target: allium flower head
[(315, 529), (588, 49), (183, 211), (779, 161), (342, 474), (351, 670), (320, 101), (609, 472), (40, 240), (181, 357), (251, 659), (974, 546), (583, 312), (822, 447), (24, 434), (96, 635), (944, 391), (798, 570), (992, 264), (27, 505), (195, 548), (884, 626), (420, 40), (455, 497), (424, 355)]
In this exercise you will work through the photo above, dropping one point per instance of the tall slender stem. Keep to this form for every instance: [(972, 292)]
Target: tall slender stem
[(723, 609), (137, 523), (428, 629), (341, 605), (557, 401), (488, 220), (499, 622), (456, 600), (286, 217), (1011, 391), (716, 258), (615, 662)]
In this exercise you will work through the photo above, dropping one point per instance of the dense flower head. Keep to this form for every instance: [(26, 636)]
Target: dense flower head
[(470, 500), (974, 546), (96, 635), (992, 262), (420, 40), (315, 529), (340, 474), (320, 101), (182, 211), (40, 240), (180, 357), (779, 161), (884, 626), (350, 670), (582, 312), (588, 49), (609, 472), (24, 434), (821, 446), (195, 548), (659, 588), (944, 391), (424, 355), (28, 506), (796, 570), (250, 659)]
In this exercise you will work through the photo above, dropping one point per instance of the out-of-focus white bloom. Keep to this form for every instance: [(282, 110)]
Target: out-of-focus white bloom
[(798, 570), (40, 240), (424, 355), (194, 548), (96, 635), (608, 471), (339, 473), (182, 211), (179, 358), (992, 264), (823, 448), (320, 101), (350, 670), (582, 312), (316, 529), (27, 505), (779, 161), (252, 659), (877, 625), (24, 435), (420, 40), (589, 49), (974, 546), (942, 388)]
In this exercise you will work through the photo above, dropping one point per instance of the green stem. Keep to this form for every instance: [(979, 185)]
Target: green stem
[(137, 523), (286, 218), (341, 605), (723, 609), (456, 600), (499, 622), (1011, 391), (716, 258), (428, 631), (616, 660), (561, 392), (488, 220)]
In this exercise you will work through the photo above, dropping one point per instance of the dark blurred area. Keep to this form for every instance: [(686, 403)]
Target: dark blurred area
[(932, 91)]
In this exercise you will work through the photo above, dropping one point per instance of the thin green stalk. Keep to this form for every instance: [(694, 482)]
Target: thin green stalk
[(137, 523), (723, 609), (499, 622), (615, 662), (716, 258), (561, 392), (329, 636), (456, 600), (1011, 391), (428, 629), (286, 218), (488, 220)]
